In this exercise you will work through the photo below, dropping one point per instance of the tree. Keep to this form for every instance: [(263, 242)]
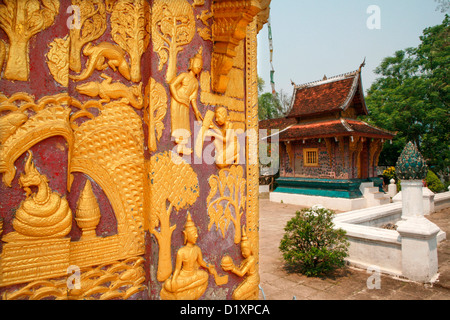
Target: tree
[(21, 20), (411, 96), (231, 198), (270, 107), (92, 25), (129, 22), (173, 181), (173, 26)]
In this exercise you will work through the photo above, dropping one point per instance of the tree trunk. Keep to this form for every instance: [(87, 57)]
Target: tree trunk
[(165, 247), (17, 66), (75, 52), (135, 61)]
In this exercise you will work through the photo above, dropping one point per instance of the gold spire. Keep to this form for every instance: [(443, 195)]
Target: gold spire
[(88, 212)]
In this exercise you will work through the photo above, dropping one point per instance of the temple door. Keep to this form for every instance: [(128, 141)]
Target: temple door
[(363, 172)]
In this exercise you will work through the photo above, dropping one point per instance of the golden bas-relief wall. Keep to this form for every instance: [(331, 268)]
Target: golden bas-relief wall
[(128, 149)]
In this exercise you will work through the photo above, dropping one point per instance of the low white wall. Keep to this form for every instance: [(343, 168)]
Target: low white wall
[(441, 200), (370, 246), (339, 204)]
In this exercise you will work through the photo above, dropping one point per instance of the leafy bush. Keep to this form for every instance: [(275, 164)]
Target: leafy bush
[(311, 245), (433, 182), (389, 174)]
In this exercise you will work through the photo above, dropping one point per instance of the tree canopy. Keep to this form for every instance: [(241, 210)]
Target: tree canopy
[(411, 96), (270, 106)]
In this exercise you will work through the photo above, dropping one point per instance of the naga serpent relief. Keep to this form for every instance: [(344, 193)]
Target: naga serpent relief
[(44, 214)]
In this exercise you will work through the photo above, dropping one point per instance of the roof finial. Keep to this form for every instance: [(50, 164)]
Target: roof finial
[(324, 77), (293, 83), (362, 65)]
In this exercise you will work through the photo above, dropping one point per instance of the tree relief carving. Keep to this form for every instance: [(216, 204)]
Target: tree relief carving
[(130, 24), (155, 108), (173, 185), (173, 26), (226, 200), (92, 25), (21, 20)]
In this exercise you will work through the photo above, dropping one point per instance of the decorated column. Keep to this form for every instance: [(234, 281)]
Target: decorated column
[(128, 149), (419, 243)]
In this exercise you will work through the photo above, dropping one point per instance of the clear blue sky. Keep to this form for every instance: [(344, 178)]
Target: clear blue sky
[(316, 37)]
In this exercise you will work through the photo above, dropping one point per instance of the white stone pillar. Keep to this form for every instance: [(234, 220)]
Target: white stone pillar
[(412, 203), (392, 188), (418, 234), (419, 249)]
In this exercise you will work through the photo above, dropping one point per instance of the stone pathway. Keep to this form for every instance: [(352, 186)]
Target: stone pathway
[(350, 284)]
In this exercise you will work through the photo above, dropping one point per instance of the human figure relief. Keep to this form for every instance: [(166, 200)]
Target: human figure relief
[(184, 92), (248, 289), (188, 281), (225, 139)]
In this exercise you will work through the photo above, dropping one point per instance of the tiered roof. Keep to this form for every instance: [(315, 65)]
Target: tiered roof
[(328, 96), (317, 107)]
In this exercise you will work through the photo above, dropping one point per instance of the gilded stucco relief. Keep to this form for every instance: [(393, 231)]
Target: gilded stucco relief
[(108, 148), (155, 108), (173, 27), (226, 200), (21, 20), (173, 185), (103, 127), (184, 93), (248, 289), (92, 24), (100, 57), (189, 281), (130, 24)]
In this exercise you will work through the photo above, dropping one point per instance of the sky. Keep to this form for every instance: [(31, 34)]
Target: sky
[(330, 37)]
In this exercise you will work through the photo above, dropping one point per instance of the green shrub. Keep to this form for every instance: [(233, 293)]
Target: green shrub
[(311, 245), (433, 182)]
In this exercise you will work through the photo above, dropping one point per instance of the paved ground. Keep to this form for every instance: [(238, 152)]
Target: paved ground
[(350, 284)]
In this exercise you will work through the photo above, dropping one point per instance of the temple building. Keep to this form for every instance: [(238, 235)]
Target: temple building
[(325, 151)]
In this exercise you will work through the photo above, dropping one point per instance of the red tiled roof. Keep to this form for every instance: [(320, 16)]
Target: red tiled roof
[(279, 123), (328, 96), (334, 128)]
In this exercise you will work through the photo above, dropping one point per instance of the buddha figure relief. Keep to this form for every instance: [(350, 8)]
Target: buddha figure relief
[(188, 281)]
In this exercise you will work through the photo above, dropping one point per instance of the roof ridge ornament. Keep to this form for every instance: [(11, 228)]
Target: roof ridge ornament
[(363, 64)]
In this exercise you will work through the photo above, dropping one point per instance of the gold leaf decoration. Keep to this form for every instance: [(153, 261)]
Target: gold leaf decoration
[(173, 26), (21, 20), (156, 109), (226, 200), (58, 60), (130, 30), (92, 26)]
